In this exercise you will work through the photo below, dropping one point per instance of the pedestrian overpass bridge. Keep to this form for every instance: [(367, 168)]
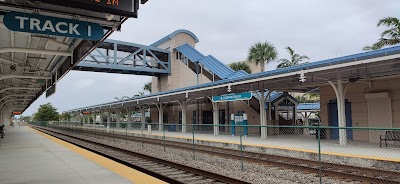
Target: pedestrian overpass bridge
[(112, 56)]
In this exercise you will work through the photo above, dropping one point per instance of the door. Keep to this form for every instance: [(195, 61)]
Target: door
[(222, 120), (333, 120), (207, 120)]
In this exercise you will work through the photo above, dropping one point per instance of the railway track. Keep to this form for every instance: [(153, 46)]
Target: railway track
[(162, 169), (337, 171)]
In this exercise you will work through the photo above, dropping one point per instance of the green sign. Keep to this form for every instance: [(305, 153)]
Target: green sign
[(233, 97)]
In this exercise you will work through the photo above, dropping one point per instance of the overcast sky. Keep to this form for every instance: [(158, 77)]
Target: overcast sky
[(226, 29)]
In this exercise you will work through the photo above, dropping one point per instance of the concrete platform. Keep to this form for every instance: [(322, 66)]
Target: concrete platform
[(29, 157), (362, 154)]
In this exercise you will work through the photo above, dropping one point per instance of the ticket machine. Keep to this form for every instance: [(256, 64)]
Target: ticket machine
[(237, 120)]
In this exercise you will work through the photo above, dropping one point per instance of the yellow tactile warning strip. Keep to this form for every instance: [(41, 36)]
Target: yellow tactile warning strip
[(131, 174), (285, 148)]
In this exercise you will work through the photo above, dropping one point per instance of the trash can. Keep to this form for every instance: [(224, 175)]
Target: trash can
[(323, 133)]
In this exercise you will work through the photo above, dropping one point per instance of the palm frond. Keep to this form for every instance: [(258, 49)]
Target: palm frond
[(389, 21), (240, 66)]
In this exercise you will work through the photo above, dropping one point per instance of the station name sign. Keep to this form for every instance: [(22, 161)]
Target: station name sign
[(34, 23), (117, 7), (233, 97)]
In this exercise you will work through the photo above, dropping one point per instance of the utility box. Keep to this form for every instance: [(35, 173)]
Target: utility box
[(149, 129), (239, 123)]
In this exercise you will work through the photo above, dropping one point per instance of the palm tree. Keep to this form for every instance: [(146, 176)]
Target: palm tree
[(240, 66), (390, 36), (147, 87), (262, 53), (295, 59), (122, 98), (140, 93)]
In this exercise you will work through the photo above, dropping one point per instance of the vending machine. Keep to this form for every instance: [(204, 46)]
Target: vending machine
[(239, 124)]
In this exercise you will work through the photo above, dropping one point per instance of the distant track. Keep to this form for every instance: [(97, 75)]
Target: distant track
[(162, 169)]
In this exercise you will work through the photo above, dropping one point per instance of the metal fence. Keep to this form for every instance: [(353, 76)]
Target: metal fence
[(377, 148)]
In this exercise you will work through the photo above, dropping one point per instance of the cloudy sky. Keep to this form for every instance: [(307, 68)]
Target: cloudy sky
[(226, 29)]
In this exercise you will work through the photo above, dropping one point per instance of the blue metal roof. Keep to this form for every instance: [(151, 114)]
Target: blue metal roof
[(170, 36), (236, 74), (209, 62), (190, 52), (216, 66), (328, 62), (309, 106)]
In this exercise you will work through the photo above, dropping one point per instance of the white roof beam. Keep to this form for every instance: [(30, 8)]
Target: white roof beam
[(2, 77), (35, 51), (17, 88)]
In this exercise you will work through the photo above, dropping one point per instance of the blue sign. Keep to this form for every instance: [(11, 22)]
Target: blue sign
[(233, 97), (34, 23)]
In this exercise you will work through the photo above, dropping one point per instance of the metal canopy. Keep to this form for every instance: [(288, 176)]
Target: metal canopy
[(32, 63), (114, 56), (365, 66)]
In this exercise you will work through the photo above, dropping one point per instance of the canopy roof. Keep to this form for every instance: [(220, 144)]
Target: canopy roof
[(362, 66)]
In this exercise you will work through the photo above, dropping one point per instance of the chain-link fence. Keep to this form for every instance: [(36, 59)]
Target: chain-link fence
[(351, 152)]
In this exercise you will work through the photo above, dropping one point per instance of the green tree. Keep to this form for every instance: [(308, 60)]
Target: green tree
[(295, 59), (262, 53), (64, 117), (240, 66), (46, 112), (308, 98), (389, 37), (147, 87)]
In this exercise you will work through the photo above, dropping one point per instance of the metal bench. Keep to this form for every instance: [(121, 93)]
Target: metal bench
[(390, 136)]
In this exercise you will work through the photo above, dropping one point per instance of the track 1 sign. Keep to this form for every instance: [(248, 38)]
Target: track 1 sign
[(233, 97), (34, 23)]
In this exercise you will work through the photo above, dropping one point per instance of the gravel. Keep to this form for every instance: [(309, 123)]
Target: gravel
[(253, 172)]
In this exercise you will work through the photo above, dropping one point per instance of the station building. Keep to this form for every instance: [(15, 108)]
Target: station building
[(360, 90), (189, 67)]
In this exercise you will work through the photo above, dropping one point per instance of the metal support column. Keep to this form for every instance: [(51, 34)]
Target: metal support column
[(263, 114), (118, 121), (108, 121), (129, 118), (183, 105), (143, 117), (160, 116), (216, 118), (341, 110)]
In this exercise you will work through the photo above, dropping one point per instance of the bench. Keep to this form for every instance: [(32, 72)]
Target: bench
[(390, 136)]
